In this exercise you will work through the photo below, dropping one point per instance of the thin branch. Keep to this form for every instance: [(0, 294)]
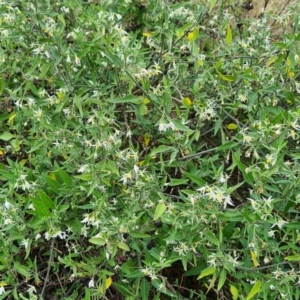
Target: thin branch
[(49, 267)]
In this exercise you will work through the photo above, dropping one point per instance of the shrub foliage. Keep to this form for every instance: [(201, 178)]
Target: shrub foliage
[(148, 150)]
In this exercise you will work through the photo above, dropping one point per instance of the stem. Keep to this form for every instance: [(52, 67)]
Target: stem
[(49, 267)]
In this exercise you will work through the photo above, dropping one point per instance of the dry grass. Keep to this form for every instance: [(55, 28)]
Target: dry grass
[(275, 7)]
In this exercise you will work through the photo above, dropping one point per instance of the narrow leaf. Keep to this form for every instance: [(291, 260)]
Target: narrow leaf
[(234, 292), (212, 238), (253, 258), (206, 272), (46, 200), (139, 235), (6, 136), (77, 102), (97, 241), (254, 290), (222, 279), (180, 126), (128, 99), (293, 257), (65, 177), (228, 39), (145, 288), (123, 246), (160, 149), (160, 209), (40, 208), (232, 126), (212, 5)]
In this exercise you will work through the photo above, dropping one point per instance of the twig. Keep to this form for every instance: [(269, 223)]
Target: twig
[(49, 267), (198, 154), (264, 267)]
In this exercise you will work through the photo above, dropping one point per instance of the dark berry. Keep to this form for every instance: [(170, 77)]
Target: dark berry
[(158, 224), (125, 235), (249, 6), (152, 231), (150, 245)]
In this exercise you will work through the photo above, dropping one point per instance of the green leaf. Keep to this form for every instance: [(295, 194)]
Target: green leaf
[(62, 208), (206, 272), (293, 257), (181, 126), (112, 167), (226, 146), (37, 145), (92, 186), (105, 181), (145, 288), (160, 209), (143, 109), (212, 5), (44, 70), (193, 34), (232, 126), (123, 289), (255, 289), (195, 270), (228, 230), (123, 246), (222, 279), (128, 99), (53, 184), (233, 188), (228, 78), (61, 19), (84, 52), (85, 177), (212, 238), (175, 181), (195, 179), (46, 200), (228, 38), (6, 136), (77, 102), (21, 269), (40, 208), (234, 292), (65, 177), (160, 149), (139, 235), (97, 241), (2, 85)]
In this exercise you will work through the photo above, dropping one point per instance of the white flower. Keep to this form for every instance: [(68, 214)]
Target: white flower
[(279, 223), (126, 177), (129, 133), (162, 126), (2, 290), (83, 168), (47, 236), (38, 114), (31, 289), (25, 243), (77, 60), (271, 233), (91, 283), (8, 221), (7, 205), (227, 200)]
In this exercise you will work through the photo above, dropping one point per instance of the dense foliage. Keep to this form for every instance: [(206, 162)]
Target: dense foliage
[(148, 150)]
